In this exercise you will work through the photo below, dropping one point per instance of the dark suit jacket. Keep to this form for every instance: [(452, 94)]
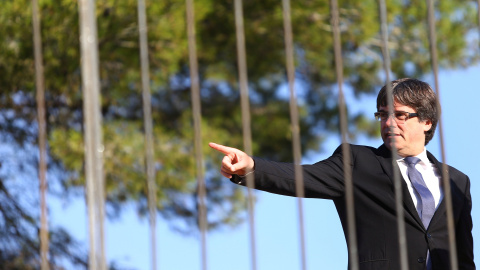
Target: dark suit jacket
[(374, 202)]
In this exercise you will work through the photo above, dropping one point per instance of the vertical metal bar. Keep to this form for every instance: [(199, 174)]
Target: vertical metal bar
[(148, 126), (478, 16), (445, 178), (352, 235), (297, 155), (246, 125), (196, 110), (402, 238), (93, 133), (42, 134)]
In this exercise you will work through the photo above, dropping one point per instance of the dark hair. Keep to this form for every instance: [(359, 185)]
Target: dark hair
[(417, 95)]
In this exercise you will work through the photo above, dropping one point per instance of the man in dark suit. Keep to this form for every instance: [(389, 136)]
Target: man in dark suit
[(407, 130)]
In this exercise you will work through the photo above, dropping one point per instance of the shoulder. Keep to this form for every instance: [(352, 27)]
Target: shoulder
[(359, 154), (457, 176), (452, 171), (358, 149), (460, 179)]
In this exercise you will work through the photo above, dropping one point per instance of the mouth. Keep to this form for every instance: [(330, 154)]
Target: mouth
[(391, 135)]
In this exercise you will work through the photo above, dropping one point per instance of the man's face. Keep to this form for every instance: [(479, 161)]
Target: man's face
[(407, 136)]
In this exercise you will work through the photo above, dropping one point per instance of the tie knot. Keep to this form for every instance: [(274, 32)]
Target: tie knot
[(411, 160)]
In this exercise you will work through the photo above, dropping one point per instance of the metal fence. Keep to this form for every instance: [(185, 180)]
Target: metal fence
[(94, 145)]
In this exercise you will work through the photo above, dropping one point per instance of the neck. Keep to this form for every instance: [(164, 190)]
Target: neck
[(407, 152), (404, 154)]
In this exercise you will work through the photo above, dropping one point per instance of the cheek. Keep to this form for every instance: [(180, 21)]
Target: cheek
[(383, 125), (415, 133)]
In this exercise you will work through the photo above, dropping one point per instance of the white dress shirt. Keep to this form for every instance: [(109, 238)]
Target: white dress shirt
[(431, 175)]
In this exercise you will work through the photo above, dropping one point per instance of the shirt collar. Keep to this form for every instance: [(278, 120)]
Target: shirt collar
[(423, 156)]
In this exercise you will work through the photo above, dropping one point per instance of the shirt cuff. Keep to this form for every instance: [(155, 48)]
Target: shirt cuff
[(241, 179)]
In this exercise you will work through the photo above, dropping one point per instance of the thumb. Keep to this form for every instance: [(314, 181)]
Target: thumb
[(244, 164)]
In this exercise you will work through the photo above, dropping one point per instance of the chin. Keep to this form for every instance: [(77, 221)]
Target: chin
[(390, 144)]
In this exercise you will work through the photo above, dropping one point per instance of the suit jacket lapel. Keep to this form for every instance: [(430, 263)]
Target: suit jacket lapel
[(441, 209), (385, 158)]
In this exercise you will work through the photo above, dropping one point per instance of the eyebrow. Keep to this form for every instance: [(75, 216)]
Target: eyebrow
[(393, 111)]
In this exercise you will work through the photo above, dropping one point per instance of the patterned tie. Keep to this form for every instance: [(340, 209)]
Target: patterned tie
[(426, 204)]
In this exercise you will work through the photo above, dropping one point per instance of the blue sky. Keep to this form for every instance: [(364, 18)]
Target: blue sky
[(277, 231)]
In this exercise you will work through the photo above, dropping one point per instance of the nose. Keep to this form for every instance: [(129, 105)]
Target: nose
[(390, 121)]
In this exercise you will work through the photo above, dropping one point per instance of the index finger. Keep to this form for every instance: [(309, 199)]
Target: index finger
[(221, 148)]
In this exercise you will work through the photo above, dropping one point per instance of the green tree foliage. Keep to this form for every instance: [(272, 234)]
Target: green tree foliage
[(221, 117)]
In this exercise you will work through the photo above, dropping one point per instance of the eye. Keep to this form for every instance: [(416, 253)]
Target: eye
[(400, 115), (381, 116)]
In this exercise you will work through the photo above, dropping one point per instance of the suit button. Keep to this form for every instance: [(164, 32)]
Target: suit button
[(429, 236), (421, 260)]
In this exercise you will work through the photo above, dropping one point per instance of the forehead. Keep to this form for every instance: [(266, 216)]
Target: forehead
[(397, 107)]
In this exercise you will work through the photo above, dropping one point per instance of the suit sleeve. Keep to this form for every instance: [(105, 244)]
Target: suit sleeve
[(323, 179), (463, 233)]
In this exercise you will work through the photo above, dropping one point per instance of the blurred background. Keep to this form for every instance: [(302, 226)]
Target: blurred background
[(127, 236)]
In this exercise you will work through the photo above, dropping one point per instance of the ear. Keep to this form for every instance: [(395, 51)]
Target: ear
[(427, 125)]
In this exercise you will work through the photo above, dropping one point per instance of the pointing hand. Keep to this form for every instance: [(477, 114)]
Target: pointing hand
[(234, 161)]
